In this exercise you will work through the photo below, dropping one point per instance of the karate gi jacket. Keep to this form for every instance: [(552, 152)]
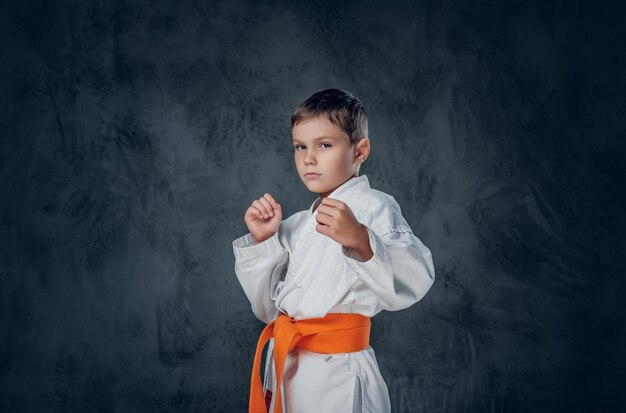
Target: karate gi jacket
[(305, 274)]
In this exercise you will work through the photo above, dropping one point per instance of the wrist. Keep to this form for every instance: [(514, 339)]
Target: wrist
[(364, 248)]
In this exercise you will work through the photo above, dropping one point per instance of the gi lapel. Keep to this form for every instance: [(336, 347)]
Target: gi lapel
[(303, 245)]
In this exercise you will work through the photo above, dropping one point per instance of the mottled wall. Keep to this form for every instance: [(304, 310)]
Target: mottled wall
[(134, 137)]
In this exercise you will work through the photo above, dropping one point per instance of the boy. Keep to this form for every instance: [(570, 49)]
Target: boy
[(317, 277)]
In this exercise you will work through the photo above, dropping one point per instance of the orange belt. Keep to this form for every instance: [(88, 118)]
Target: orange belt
[(335, 333)]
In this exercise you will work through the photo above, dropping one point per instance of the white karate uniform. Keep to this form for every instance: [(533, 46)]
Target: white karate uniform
[(305, 274)]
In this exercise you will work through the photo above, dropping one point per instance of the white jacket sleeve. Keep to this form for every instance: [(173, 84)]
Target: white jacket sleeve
[(259, 268), (401, 271)]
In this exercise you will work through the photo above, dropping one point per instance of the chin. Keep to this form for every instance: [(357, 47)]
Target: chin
[(314, 187)]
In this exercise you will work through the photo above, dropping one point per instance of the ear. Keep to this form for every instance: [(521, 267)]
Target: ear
[(362, 150)]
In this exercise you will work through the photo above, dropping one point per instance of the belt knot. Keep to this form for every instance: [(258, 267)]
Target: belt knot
[(334, 333)]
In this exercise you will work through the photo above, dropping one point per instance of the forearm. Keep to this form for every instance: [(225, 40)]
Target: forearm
[(259, 267), (400, 271)]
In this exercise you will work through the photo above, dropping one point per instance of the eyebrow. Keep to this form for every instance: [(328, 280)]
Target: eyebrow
[(319, 138)]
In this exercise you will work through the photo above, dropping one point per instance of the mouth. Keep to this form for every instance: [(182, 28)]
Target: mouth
[(311, 174)]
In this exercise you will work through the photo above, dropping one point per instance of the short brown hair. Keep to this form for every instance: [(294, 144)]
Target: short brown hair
[(341, 107)]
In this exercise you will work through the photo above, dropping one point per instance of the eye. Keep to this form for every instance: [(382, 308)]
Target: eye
[(329, 145), (296, 146)]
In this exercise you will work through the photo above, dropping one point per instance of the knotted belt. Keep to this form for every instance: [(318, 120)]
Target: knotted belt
[(335, 333)]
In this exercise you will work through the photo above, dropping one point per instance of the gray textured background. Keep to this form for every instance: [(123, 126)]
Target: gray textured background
[(134, 137)]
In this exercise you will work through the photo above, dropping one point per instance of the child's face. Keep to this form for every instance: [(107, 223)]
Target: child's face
[(323, 148)]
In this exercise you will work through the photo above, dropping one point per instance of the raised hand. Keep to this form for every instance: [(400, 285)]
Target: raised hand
[(336, 220), (263, 217)]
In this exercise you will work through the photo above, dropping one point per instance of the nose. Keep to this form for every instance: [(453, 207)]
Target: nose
[(309, 159)]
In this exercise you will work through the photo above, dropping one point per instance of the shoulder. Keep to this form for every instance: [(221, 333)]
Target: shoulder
[(382, 210)]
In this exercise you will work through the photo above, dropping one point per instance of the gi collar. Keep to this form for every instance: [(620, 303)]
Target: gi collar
[(344, 190)]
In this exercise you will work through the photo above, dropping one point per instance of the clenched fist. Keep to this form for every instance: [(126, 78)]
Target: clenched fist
[(336, 220), (263, 217)]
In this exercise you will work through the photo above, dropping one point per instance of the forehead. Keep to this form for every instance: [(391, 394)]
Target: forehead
[(317, 128)]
